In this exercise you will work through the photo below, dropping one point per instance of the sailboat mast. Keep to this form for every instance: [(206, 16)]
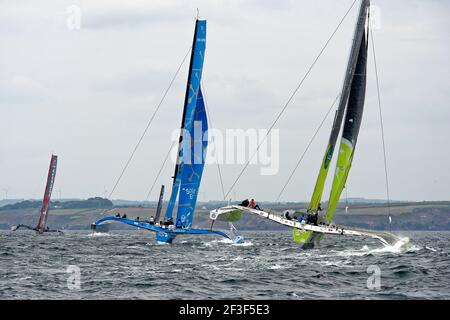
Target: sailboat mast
[(352, 124), (192, 88), (186, 98), (351, 66), (160, 204), (47, 194)]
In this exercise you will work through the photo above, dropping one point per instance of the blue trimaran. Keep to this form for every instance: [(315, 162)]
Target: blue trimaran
[(190, 163)]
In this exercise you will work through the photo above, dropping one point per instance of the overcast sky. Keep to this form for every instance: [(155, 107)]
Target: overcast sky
[(86, 95)]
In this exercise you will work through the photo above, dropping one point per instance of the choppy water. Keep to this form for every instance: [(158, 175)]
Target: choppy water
[(130, 265)]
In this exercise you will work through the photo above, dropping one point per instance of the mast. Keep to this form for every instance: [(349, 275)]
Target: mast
[(192, 87), (352, 124), (160, 203), (351, 66), (47, 194)]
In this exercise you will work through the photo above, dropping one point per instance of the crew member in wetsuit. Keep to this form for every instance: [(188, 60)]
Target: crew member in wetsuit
[(315, 218), (244, 203)]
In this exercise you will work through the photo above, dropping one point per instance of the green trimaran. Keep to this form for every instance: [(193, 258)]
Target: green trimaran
[(349, 113)]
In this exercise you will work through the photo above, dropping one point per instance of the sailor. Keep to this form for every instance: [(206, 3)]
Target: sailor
[(137, 219), (253, 205), (308, 217), (152, 220), (179, 225), (118, 215), (319, 208), (315, 218), (244, 203), (124, 216), (300, 218)]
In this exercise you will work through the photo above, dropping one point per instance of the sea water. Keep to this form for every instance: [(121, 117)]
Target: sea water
[(268, 265)]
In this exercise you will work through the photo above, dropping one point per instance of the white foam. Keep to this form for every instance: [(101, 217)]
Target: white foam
[(276, 267), (244, 244), (99, 234)]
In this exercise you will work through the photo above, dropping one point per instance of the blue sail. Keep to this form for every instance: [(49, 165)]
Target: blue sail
[(194, 161), (190, 103)]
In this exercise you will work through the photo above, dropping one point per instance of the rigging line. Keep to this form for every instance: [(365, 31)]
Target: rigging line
[(307, 148), (160, 170), (290, 98), (149, 123), (382, 130), (212, 140)]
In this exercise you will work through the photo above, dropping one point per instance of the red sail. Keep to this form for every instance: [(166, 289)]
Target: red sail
[(47, 194)]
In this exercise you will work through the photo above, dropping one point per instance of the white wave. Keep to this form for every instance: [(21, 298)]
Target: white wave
[(276, 267), (401, 246), (244, 244), (216, 241), (99, 234)]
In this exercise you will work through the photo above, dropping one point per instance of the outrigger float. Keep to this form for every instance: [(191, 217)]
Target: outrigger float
[(190, 163), (349, 114), (41, 228), (302, 230)]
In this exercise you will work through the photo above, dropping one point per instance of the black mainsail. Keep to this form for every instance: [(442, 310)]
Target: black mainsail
[(358, 42)]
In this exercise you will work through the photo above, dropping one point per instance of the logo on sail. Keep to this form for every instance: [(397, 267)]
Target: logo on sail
[(328, 158)]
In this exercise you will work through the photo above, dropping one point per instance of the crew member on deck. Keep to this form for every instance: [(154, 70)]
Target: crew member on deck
[(244, 203), (179, 225), (152, 220), (253, 205), (168, 221), (315, 218)]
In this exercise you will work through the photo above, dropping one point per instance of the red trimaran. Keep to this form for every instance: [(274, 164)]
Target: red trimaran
[(46, 201)]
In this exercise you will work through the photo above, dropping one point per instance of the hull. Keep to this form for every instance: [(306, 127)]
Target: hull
[(165, 237), (163, 234), (309, 235)]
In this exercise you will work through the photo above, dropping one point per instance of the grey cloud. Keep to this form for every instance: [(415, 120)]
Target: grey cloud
[(89, 93)]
